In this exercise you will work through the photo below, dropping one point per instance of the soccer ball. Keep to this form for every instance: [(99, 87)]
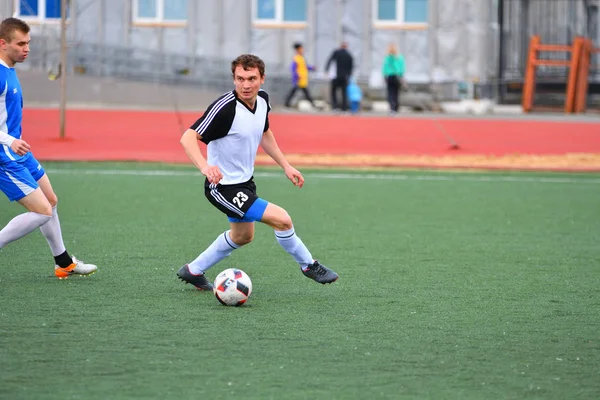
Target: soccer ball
[(232, 287)]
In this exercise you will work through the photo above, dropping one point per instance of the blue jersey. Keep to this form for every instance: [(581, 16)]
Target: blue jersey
[(11, 110)]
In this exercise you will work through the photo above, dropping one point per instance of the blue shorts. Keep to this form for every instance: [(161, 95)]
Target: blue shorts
[(254, 213), (19, 178)]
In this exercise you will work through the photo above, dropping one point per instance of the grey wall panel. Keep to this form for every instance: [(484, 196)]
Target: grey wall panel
[(100, 21), (145, 38), (414, 47), (476, 29), (353, 28), (117, 19), (460, 36), (235, 27), (175, 40), (206, 29), (326, 31), (267, 44), (88, 22), (6, 9), (451, 40)]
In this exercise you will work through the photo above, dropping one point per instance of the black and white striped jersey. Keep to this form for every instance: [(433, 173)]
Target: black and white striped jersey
[(232, 132)]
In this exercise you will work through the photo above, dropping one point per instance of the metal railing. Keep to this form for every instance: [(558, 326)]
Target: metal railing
[(142, 65), (135, 64)]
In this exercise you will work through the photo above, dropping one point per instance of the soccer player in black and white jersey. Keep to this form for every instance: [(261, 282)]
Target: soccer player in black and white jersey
[(233, 127)]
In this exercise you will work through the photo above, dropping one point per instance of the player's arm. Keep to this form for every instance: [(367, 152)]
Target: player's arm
[(19, 146), (270, 146), (5, 138), (189, 141), (212, 125)]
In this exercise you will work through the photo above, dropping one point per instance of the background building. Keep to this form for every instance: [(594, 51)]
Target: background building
[(445, 42)]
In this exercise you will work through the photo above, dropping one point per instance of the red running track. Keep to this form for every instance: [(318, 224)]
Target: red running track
[(116, 135)]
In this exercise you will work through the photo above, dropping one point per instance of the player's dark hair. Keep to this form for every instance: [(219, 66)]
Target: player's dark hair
[(297, 45), (11, 25), (248, 61)]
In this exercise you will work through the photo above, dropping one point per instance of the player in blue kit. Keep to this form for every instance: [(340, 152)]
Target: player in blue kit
[(233, 127), (22, 178)]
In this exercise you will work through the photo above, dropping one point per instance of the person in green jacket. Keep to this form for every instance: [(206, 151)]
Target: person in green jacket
[(393, 72)]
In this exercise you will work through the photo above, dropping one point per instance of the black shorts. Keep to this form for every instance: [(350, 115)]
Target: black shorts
[(238, 201)]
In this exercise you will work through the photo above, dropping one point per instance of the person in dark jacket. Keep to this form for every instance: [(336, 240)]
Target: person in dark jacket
[(343, 70)]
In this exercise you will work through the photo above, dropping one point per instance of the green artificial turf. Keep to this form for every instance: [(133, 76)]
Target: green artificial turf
[(452, 286)]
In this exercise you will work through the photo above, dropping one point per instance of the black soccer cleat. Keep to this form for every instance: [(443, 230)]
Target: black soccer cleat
[(199, 281), (320, 273)]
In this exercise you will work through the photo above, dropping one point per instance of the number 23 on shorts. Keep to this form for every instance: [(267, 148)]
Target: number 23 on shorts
[(239, 199)]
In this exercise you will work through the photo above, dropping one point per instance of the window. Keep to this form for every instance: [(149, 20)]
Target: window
[(39, 9), (158, 11), (400, 12), (279, 11)]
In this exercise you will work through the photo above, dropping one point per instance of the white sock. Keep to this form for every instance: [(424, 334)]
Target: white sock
[(53, 234), (20, 226), (218, 250), (294, 245)]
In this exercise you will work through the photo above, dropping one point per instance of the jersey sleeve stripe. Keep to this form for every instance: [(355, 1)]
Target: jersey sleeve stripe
[(213, 112)]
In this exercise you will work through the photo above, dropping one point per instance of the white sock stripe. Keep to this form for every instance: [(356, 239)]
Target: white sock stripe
[(221, 200), (213, 112)]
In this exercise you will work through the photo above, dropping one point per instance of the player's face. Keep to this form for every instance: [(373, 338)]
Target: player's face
[(247, 83), (16, 50)]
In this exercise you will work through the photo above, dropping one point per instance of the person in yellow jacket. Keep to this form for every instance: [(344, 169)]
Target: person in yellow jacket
[(299, 70)]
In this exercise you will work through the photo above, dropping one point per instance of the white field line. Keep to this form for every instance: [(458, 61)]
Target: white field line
[(324, 175)]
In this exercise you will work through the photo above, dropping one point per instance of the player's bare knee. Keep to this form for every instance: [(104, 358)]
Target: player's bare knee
[(242, 239), (288, 224), (53, 200), (285, 223), (44, 210), (37, 203)]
